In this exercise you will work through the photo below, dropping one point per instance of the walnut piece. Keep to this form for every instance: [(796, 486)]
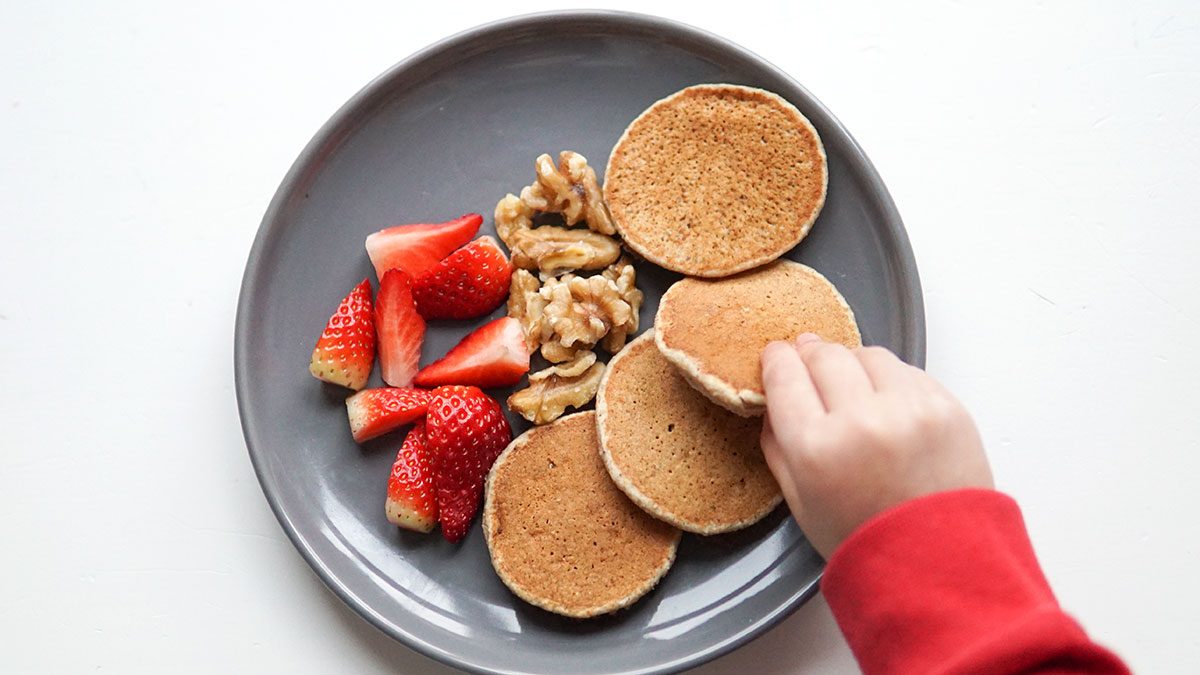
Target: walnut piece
[(554, 250), (573, 368), (512, 215), (582, 310), (553, 390), (527, 305), (554, 352), (571, 189), (624, 277)]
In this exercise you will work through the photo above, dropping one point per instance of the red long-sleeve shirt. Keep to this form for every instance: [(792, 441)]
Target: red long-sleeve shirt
[(948, 583)]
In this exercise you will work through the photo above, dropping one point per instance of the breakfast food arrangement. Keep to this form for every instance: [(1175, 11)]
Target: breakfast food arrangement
[(582, 513)]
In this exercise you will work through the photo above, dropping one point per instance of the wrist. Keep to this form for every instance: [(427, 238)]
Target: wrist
[(926, 506)]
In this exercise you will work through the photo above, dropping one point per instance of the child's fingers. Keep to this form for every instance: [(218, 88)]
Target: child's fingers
[(839, 377), (780, 465), (885, 370), (791, 395)]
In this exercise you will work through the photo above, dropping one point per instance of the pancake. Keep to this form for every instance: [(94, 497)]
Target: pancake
[(560, 534), (716, 179), (714, 331), (678, 456)]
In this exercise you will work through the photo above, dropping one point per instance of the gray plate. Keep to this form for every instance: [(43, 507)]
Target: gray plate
[(451, 130)]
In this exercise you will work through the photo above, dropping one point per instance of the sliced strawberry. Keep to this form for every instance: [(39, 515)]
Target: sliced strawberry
[(401, 329), (374, 412), (494, 355), (416, 248), (465, 431), (345, 351), (411, 497), (468, 283)]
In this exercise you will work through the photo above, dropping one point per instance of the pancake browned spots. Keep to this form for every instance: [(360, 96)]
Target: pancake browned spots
[(560, 534), (683, 459), (714, 331), (716, 179)]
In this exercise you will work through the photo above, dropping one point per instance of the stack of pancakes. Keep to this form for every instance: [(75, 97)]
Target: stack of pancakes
[(716, 182)]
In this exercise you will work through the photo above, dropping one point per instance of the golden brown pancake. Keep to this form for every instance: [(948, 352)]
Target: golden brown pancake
[(716, 179), (678, 456), (714, 331), (560, 534)]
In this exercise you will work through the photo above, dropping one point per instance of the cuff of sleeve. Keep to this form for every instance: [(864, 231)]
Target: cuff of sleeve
[(963, 553), (938, 511)]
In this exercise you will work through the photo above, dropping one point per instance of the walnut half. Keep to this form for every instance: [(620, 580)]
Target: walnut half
[(553, 390), (512, 215), (572, 190), (526, 304), (582, 310), (624, 277), (554, 250)]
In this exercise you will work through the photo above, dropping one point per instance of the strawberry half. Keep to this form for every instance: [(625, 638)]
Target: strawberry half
[(416, 248), (345, 351), (374, 412), (411, 498), (494, 355), (468, 283), (401, 329), (465, 431)]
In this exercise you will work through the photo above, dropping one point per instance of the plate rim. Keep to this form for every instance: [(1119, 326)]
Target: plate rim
[(616, 20)]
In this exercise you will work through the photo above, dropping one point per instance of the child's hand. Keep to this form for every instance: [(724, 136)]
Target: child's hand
[(851, 433)]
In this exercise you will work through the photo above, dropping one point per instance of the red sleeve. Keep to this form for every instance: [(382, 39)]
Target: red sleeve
[(948, 583)]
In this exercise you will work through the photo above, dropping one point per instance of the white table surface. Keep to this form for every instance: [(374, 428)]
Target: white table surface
[(1045, 157)]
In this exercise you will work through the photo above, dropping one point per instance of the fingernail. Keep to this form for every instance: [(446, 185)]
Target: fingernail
[(806, 338)]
